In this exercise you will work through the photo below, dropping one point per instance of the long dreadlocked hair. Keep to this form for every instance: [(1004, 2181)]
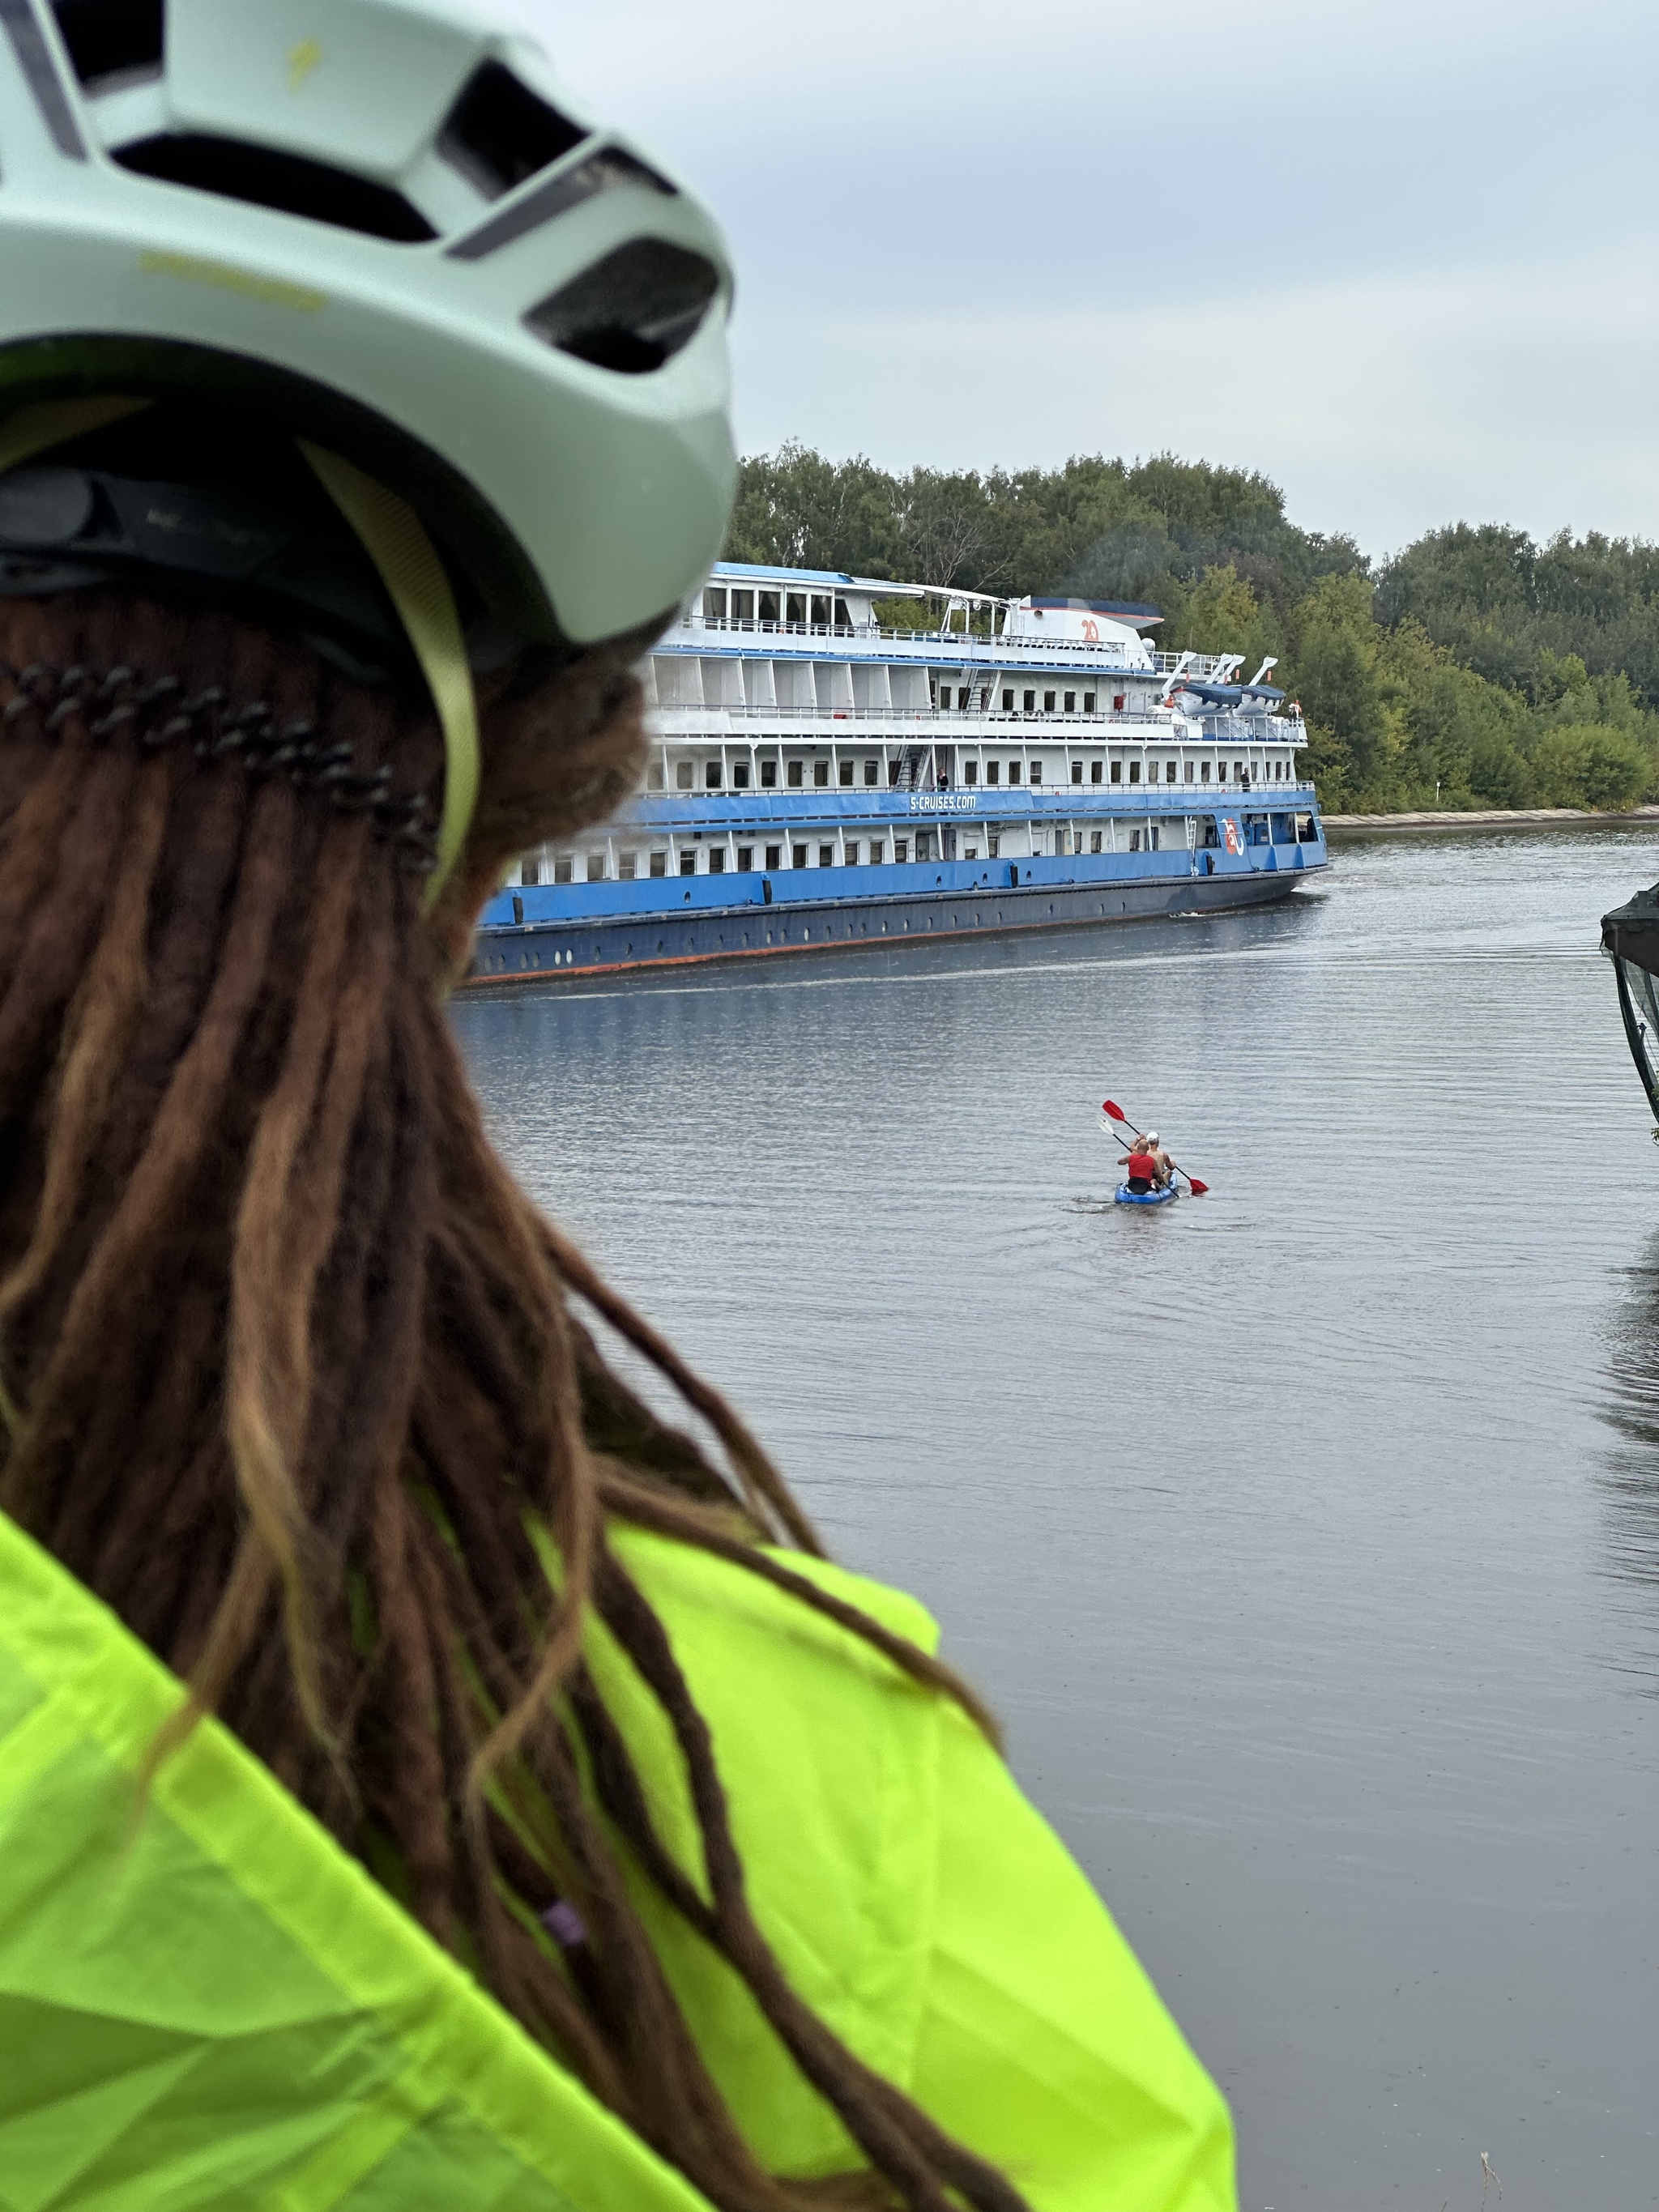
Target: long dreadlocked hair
[(289, 1360)]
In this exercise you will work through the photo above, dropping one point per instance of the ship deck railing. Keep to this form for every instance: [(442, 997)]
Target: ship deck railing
[(741, 710), (980, 644)]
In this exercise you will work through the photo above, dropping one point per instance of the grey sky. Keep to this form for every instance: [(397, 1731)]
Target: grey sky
[(1403, 259)]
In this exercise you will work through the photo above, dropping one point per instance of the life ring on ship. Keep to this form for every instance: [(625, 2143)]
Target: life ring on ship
[(1230, 830)]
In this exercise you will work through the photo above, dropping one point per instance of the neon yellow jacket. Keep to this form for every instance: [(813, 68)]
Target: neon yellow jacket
[(223, 2010)]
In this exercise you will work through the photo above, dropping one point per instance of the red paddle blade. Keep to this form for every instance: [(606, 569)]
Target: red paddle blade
[(1110, 1106), (1196, 1188)]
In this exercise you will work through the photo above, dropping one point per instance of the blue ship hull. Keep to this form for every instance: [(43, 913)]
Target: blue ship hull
[(543, 932)]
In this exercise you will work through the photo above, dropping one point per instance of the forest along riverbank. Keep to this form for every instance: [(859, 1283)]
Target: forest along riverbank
[(1305, 1536)]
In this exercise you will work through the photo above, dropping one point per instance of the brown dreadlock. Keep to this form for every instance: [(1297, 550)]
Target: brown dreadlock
[(288, 1360)]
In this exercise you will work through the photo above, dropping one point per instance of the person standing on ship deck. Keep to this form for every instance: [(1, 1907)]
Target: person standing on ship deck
[(432, 1779)]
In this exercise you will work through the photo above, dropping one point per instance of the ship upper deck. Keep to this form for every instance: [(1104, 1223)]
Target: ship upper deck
[(820, 614)]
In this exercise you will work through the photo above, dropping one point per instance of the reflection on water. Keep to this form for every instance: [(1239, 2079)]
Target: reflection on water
[(1631, 1467), (1277, 1523)]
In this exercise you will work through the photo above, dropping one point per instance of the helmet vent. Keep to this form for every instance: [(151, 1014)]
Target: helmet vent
[(289, 184), (631, 311), (112, 43), (499, 132)]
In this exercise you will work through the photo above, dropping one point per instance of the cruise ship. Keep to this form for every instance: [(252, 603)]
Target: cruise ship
[(841, 761)]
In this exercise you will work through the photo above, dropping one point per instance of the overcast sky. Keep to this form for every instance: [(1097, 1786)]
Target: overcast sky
[(1402, 258)]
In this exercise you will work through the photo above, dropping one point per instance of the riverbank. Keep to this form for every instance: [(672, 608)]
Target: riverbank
[(1495, 817)]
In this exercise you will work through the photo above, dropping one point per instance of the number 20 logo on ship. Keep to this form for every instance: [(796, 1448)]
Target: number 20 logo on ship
[(1090, 630), (1234, 843)]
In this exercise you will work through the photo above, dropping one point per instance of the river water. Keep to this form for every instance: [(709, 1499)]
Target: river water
[(1306, 1535)]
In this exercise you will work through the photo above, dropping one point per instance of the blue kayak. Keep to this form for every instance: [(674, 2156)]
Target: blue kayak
[(1124, 1196)]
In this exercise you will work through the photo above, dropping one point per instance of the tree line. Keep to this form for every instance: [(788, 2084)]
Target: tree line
[(1476, 668)]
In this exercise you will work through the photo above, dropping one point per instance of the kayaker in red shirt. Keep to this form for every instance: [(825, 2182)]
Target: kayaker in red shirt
[(1148, 1164)]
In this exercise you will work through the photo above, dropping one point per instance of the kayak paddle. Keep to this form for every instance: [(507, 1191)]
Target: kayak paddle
[(1110, 1106)]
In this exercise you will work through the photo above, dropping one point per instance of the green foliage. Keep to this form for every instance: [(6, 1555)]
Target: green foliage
[(1474, 669), (1590, 764)]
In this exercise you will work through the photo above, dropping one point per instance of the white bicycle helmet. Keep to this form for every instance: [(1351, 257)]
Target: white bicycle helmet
[(385, 225)]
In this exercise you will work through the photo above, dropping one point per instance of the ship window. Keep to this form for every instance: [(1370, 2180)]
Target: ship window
[(769, 775), (924, 844), (1203, 772), (628, 866), (1030, 702), (1169, 771), (846, 772), (1047, 702), (775, 856), (768, 606), (529, 872), (1076, 771), (1071, 702), (1117, 771), (852, 852), (870, 772), (1238, 771), (562, 871), (1094, 840), (687, 864), (964, 694), (794, 776), (717, 864), (681, 775), (714, 606), (596, 867), (659, 864), (971, 771), (1117, 702), (1088, 703), (971, 852), (1134, 840), (933, 690), (711, 775), (743, 606), (1094, 771), (740, 776), (1189, 771), (653, 776), (821, 610), (795, 607), (843, 620), (1013, 771), (1036, 772), (1152, 837), (798, 856), (901, 849), (993, 771), (993, 845), (826, 856), (1007, 703), (1134, 771), (746, 859), (820, 773)]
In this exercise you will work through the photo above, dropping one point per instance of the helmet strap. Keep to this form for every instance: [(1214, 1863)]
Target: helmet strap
[(48, 422), (396, 541)]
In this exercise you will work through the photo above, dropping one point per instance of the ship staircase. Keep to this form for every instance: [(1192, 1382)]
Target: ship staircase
[(914, 770)]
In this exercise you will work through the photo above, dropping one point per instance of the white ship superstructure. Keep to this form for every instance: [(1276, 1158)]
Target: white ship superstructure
[(821, 774)]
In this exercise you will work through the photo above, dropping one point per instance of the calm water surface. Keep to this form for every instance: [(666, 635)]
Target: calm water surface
[(1306, 1536)]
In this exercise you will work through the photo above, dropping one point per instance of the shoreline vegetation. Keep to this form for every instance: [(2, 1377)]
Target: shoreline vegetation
[(1476, 672)]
